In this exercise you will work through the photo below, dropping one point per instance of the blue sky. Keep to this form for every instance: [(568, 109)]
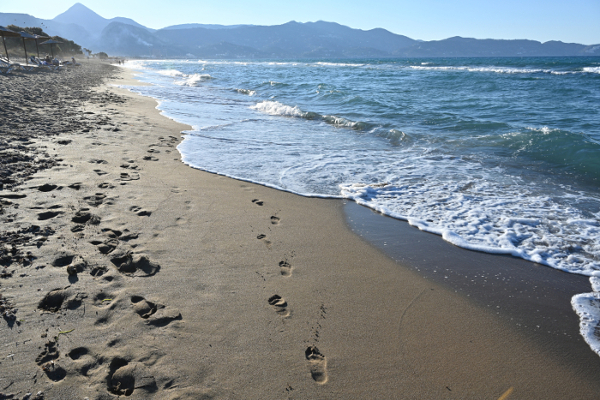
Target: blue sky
[(569, 21)]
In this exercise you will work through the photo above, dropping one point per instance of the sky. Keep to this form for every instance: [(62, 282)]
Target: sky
[(573, 21)]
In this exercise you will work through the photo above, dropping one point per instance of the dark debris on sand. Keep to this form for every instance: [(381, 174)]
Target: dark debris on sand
[(42, 104)]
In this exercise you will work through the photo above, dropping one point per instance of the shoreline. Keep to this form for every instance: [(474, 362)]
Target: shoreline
[(177, 273)]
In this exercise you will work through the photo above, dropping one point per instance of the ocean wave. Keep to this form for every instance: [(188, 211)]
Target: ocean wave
[(587, 307), (592, 70), (194, 80), (333, 64), (498, 70), (246, 91), (277, 108), (479, 215), (170, 72), (559, 147)]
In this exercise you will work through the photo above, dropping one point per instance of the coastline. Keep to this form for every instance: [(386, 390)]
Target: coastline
[(176, 290)]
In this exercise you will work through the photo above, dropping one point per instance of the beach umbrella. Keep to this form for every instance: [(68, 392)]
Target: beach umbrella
[(7, 32), (51, 42), (36, 38), (28, 36)]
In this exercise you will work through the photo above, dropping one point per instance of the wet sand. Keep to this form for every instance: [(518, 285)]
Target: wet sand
[(134, 275)]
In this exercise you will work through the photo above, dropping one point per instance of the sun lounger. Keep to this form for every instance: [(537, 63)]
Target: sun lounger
[(16, 66), (44, 65)]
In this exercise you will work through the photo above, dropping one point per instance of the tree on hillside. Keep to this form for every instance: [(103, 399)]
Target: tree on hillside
[(15, 44)]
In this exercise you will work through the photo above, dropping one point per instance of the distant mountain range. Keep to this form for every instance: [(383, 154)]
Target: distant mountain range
[(125, 37)]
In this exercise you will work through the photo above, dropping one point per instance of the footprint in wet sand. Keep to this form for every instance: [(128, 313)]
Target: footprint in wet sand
[(318, 364), (285, 268), (280, 305), (263, 238), (275, 220), (258, 202)]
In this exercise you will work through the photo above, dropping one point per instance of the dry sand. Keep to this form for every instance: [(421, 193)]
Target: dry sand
[(135, 275)]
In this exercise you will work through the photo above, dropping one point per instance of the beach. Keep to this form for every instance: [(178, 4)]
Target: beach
[(127, 273)]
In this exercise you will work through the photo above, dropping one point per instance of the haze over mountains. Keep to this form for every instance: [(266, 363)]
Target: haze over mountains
[(124, 37)]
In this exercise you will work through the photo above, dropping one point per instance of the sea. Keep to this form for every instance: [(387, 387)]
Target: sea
[(498, 155)]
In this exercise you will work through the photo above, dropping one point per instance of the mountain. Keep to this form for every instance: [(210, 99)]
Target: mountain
[(78, 23), (207, 26), (125, 37), (293, 39), (467, 47)]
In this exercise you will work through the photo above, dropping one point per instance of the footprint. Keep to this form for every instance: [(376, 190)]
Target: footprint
[(75, 186), (279, 304), (48, 215), (95, 200), (138, 210), (77, 228), (318, 364), (121, 380), (47, 187), (258, 202), (143, 307), (46, 360), (150, 158), (53, 300), (77, 353), (164, 316), (285, 268), (275, 220), (84, 216), (107, 246), (124, 377), (50, 353), (135, 265), (129, 176), (106, 185), (96, 161), (100, 172), (267, 242)]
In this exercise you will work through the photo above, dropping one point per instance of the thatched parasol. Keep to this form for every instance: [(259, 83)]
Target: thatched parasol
[(7, 32), (52, 42), (28, 36)]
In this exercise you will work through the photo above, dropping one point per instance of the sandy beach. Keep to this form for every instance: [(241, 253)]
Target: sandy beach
[(125, 273)]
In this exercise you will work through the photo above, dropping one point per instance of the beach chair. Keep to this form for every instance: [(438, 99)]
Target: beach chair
[(40, 64), (5, 66), (16, 66)]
